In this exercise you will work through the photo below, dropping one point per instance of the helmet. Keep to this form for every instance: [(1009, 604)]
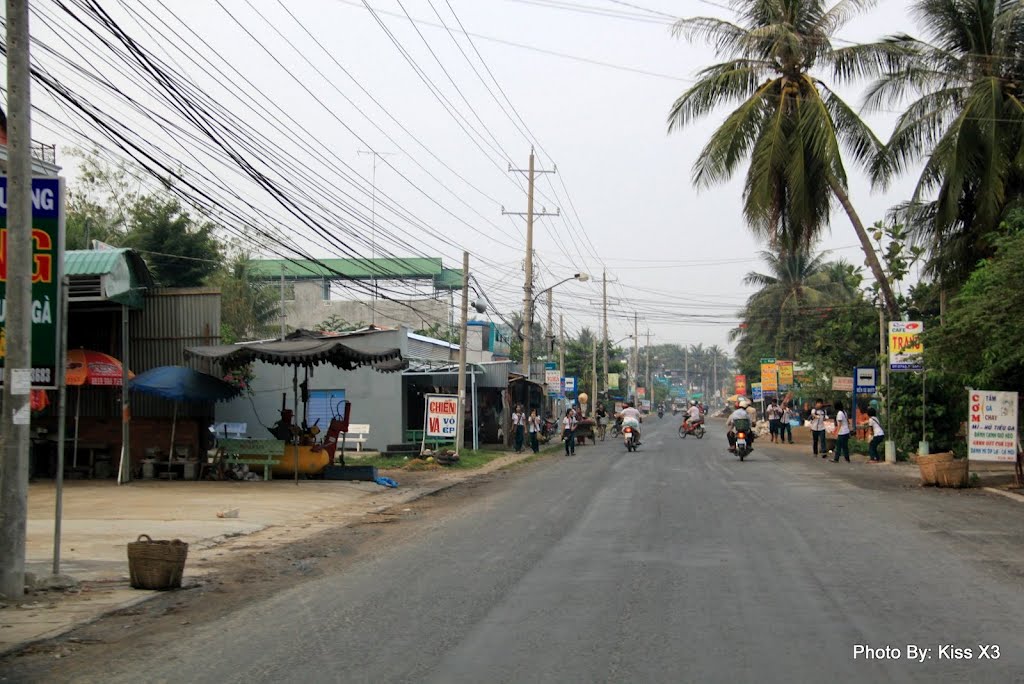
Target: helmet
[(743, 403), (693, 402)]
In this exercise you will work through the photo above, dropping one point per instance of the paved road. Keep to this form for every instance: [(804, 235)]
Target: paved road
[(675, 564)]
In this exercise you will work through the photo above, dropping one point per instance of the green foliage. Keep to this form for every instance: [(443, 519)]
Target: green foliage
[(335, 323), (180, 251), (440, 332), (249, 307)]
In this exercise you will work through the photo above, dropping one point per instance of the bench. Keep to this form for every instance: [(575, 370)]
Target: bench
[(264, 452), (434, 443), (358, 433)]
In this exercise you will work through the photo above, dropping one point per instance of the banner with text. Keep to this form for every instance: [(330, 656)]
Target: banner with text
[(905, 348), (741, 385), (992, 432), (769, 375), (785, 375)]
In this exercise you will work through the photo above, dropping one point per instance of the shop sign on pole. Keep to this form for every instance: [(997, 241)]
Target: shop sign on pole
[(992, 426)]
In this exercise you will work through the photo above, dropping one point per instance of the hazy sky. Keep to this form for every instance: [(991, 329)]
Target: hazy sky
[(675, 254)]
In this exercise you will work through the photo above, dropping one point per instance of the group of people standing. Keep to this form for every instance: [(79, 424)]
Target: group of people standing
[(818, 415), (779, 417), (523, 425)]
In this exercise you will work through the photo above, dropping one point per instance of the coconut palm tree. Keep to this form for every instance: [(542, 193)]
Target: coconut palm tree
[(789, 123), (965, 120)]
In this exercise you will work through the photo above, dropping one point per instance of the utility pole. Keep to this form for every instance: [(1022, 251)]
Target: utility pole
[(373, 230), (604, 280), (714, 377), (686, 369), (551, 327), (460, 423), (561, 346), (636, 354), (593, 372), (647, 351), (282, 314), (530, 214), (14, 427)]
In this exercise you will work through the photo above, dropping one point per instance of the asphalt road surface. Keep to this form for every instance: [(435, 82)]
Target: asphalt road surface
[(674, 564)]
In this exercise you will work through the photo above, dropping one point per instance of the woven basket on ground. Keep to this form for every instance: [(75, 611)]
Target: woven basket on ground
[(927, 464), (156, 564), (951, 473)]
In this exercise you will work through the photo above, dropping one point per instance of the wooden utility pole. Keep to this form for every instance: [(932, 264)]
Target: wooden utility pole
[(460, 423), (636, 355), (16, 421), (593, 372), (604, 280), (530, 214)]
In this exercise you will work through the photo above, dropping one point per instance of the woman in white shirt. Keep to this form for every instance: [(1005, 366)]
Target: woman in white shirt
[(533, 423), (518, 427), (842, 434), (877, 435), (569, 432)]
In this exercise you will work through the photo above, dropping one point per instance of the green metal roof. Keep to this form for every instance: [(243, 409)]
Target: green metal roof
[(128, 273), (86, 262), (412, 268)]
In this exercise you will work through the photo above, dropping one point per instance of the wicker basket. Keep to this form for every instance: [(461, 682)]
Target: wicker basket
[(927, 464), (951, 473), (156, 564)]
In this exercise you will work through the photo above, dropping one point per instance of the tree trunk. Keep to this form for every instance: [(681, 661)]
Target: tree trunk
[(869, 251)]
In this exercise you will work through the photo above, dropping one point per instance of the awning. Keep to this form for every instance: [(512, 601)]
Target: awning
[(302, 349)]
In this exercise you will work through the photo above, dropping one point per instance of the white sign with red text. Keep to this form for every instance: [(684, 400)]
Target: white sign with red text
[(992, 421), (442, 415)]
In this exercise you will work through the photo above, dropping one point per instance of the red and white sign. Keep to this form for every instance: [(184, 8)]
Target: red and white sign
[(442, 415), (992, 421), (842, 383)]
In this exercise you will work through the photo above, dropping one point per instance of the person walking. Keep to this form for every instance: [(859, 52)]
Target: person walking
[(817, 424), (785, 428), (569, 432), (772, 414), (877, 435), (518, 427), (533, 425), (842, 434)]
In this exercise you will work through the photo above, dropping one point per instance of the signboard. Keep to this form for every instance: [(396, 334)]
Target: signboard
[(905, 348), (756, 391), (47, 269), (501, 339), (992, 431), (785, 374), (570, 384), (769, 375), (645, 404), (552, 378), (613, 380), (864, 380), (641, 391), (842, 384), (741, 385), (442, 415)]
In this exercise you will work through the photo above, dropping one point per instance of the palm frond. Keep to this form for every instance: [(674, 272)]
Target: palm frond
[(716, 85)]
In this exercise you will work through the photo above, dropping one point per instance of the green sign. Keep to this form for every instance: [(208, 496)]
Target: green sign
[(47, 268)]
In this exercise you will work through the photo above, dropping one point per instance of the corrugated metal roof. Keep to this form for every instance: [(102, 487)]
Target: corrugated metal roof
[(86, 262), (355, 269)]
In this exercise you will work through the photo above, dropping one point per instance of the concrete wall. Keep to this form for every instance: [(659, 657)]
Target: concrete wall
[(309, 309), (376, 397)]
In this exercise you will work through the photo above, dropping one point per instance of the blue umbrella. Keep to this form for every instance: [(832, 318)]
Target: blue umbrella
[(177, 383)]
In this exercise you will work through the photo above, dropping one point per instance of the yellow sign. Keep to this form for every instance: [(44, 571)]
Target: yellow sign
[(785, 374), (613, 380), (769, 377)]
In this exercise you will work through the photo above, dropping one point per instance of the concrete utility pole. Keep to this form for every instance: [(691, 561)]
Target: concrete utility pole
[(14, 427), (604, 280), (647, 352), (373, 229), (530, 214), (561, 346), (593, 372), (551, 327), (460, 423), (636, 355)]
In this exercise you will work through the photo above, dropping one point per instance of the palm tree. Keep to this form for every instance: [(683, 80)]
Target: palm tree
[(965, 121), (788, 122), (798, 285)]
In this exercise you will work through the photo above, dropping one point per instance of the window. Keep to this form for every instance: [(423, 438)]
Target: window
[(323, 404)]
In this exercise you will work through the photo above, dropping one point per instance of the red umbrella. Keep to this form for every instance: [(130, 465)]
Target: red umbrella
[(87, 367)]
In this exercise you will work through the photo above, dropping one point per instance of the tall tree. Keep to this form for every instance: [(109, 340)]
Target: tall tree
[(180, 251), (249, 307), (965, 121), (789, 124)]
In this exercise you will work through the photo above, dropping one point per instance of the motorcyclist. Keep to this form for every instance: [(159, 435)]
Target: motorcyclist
[(693, 416), (631, 416), (739, 414)]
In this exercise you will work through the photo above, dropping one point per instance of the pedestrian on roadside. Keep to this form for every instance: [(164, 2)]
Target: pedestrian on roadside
[(772, 414), (569, 432), (785, 427), (533, 424), (877, 435), (817, 424), (842, 434), (518, 427)]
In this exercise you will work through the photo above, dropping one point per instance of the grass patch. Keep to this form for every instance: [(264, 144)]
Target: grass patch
[(468, 460)]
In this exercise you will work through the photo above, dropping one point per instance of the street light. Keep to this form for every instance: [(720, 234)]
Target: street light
[(528, 320)]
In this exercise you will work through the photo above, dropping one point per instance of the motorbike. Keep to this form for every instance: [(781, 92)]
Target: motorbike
[(617, 428), (630, 437), (661, 413), (742, 444), (697, 430)]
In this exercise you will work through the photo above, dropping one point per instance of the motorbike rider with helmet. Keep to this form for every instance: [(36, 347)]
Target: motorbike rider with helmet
[(631, 416), (740, 414), (693, 416)]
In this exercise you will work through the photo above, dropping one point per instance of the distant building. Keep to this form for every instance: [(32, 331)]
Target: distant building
[(315, 291)]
